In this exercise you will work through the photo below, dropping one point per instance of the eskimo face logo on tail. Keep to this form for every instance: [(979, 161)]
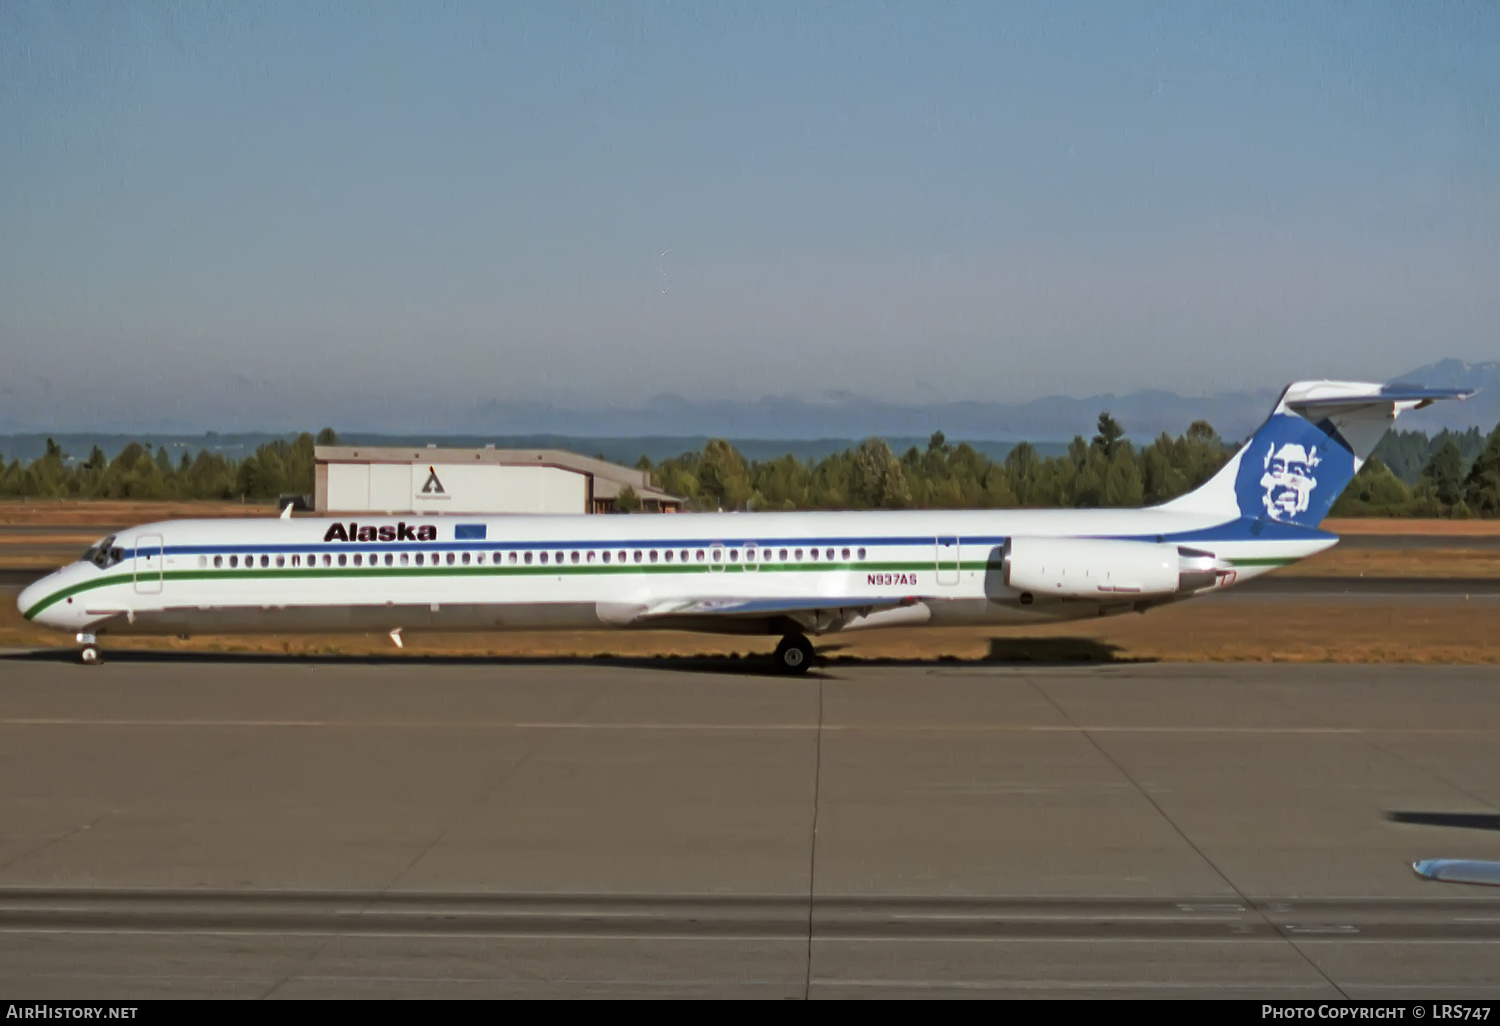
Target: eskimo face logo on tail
[(1288, 481), (1292, 470)]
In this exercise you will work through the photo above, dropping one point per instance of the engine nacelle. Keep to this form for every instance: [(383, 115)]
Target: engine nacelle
[(1095, 568)]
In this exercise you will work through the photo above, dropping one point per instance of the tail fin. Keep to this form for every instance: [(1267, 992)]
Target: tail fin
[(1303, 456)]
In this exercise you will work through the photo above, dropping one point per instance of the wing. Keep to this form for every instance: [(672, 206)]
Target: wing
[(813, 614)]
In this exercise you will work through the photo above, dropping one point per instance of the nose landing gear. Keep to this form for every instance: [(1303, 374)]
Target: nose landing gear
[(89, 654), (794, 655)]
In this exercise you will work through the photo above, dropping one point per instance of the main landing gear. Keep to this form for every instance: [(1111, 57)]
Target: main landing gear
[(89, 654), (794, 655)]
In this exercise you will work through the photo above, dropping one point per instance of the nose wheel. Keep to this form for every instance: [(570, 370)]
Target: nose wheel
[(794, 655), (89, 654)]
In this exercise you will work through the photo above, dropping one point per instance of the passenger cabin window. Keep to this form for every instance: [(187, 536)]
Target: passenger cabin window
[(218, 562), (861, 553), (637, 555), (343, 559), (605, 557), (234, 561), (466, 559), (846, 554)]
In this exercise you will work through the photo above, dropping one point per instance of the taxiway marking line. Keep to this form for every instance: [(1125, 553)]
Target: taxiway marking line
[(44, 721)]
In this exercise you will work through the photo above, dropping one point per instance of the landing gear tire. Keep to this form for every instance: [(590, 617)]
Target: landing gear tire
[(794, 655), (89, 655)]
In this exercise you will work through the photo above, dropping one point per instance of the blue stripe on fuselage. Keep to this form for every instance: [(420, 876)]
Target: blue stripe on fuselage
[(1244, 529)]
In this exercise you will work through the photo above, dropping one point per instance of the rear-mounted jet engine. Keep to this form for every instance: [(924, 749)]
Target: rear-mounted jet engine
[(1103, 569)]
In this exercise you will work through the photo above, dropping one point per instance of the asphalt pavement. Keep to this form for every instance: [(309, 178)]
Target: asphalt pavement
[(278, 827)]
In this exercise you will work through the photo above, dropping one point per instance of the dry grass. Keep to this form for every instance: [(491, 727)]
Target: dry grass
[(81, 513), (1351, 562), (1204, 631), (1424, 528)]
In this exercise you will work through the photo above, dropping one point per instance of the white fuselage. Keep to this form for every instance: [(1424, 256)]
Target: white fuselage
[(722, 572)]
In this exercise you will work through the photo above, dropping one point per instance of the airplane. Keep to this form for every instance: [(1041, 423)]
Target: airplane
[(792, 574)]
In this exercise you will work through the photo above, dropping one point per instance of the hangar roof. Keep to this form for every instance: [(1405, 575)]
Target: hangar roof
[(609, 478)]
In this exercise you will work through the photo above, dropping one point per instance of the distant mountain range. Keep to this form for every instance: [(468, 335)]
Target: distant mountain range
[(1144, 414), (668, 425), (1481, 411)]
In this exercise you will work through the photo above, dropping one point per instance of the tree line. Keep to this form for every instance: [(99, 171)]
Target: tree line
[(276, 468), (1455, 474), (1452, 474)]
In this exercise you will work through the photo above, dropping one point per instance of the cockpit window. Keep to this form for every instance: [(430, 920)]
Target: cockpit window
[(104, 553)]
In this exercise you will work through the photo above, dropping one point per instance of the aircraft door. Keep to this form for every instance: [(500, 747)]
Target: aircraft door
[(149, 559), (947, 561)]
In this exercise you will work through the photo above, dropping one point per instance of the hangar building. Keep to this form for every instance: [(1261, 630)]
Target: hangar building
[(390, 479)]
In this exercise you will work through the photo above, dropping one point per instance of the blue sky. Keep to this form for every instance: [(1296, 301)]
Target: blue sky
[(271, 214)]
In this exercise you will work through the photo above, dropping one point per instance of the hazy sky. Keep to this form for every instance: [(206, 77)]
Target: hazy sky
[(287, 214)]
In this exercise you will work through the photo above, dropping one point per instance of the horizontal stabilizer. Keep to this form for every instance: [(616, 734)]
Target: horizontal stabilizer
[(1318, 400)]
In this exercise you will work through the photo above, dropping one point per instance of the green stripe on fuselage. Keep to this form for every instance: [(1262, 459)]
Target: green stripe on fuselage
[(536, 570), (519, 570)]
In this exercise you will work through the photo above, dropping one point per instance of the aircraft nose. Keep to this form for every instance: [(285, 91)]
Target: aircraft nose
[(33, 594), (27, 598)]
